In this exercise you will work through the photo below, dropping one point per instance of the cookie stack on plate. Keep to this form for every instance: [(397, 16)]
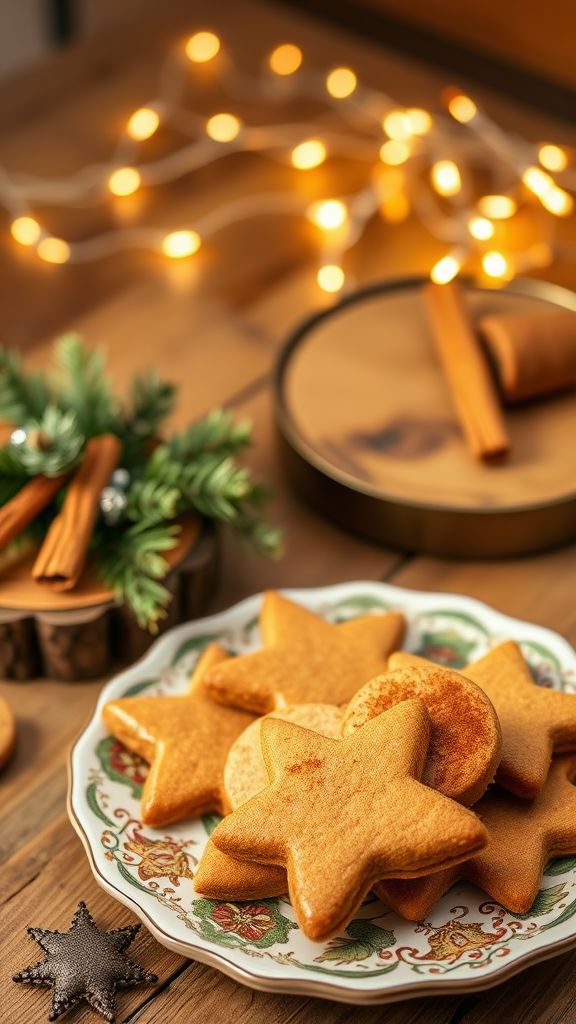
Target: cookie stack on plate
[(343, 764)]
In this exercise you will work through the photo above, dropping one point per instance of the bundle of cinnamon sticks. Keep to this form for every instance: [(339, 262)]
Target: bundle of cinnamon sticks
[(62, 556), (501, 359)]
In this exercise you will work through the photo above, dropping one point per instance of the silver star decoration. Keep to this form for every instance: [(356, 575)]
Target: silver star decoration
[(84, 963)]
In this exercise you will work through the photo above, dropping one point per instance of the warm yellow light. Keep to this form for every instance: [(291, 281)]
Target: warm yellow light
[(394, 152), (537, 181), (223, 127), (310, 153), (462, 108), (202, 47), (143, 123), (124, 181), (395, 208), (179, 244), (495, 264), (330, 277), (420, 120), (285, 59), (329, 214), (480, 228), (25, 230), (557, 201), (445, 270), (341, 82), (446, 178), (53, 250), (497, 207), (397, 125), (552, 157)]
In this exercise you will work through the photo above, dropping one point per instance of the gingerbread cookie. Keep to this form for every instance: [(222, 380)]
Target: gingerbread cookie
[(7, 731), (465, 744), (523, 836), (535, 721), (185, 739), (342, 814), (220, 876), (305, 659)]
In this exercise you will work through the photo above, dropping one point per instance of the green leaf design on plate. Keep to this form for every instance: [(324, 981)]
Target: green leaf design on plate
[(543, 653), (194, 643), (545, 901), (241, 923), (130, 878), (450, 613), (363, 603), (566, 914), (364, 939), (136, 688), (210, 821), (447, 647), (121, 765), (560, 865), (92, 801)]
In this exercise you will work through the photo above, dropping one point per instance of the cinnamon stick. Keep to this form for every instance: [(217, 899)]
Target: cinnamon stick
[(61, 558), (25, 506), (466, 371), (532, 353)]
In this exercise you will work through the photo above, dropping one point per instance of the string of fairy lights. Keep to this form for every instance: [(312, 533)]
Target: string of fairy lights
[(415, 161)]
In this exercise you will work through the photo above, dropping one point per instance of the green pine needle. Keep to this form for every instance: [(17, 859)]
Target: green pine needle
[(54, 444), (131, 564), (85, 391), (23, 396)]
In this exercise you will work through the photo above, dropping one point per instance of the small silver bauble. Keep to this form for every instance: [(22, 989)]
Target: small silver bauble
[(113, 503), (120, 478)]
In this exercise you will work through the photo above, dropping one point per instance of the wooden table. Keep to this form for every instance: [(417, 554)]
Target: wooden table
[(216, 324)]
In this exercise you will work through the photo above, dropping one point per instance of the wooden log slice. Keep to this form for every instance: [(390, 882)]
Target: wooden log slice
[(79, 634)]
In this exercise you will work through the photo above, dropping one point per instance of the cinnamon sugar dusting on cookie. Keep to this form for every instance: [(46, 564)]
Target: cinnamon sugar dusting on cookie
[(310, 764)]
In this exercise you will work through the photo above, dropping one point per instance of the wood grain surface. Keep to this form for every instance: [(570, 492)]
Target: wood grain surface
[(216, 325)]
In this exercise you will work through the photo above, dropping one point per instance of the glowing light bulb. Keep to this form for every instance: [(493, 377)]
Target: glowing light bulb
[(462, 108), (124, 181), (143, 123), (202, 47), (25, 230), (557, 201), (446, 178), (308, 154), (445, 270), (341, 82), (285, 59), (223, 127), (179, 244), (395, 208), (329, 214), (330, 277), (552, 157), (394, 152), (537, 181), (397, 125), (480, 228), (420, 120), (53, 250), (497, 207), (495, 264)]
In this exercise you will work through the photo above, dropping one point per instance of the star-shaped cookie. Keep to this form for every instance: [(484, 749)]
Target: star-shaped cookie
[(523, 836), (535, 721), (84, 963), (341, 814), (185, 739), (305, 659)]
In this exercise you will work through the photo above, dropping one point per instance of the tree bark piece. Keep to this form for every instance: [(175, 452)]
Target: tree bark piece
[(62, 555), (466, 371)]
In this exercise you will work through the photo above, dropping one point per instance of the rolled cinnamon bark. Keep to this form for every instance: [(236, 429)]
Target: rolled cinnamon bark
[(61, 558), (532, 354), (466, 371), (25, 506)]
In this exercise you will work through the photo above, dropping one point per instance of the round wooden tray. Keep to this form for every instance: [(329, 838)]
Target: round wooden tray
[(79, 634), (368, 433)]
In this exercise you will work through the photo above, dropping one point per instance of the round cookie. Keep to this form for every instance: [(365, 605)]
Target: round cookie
[(465, 743), (245, 772), (7, 731)]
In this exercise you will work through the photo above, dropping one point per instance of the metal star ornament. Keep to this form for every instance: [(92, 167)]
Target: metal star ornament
[(84, 963)]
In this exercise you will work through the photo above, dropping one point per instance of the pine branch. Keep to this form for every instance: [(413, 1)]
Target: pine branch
[(53, 444), (217, 432), (131, 564), (85, 390), (23, 396), (150, 502), (151, 401)]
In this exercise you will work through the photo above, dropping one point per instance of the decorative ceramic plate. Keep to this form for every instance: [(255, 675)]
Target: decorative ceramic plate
[(469, 942)]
